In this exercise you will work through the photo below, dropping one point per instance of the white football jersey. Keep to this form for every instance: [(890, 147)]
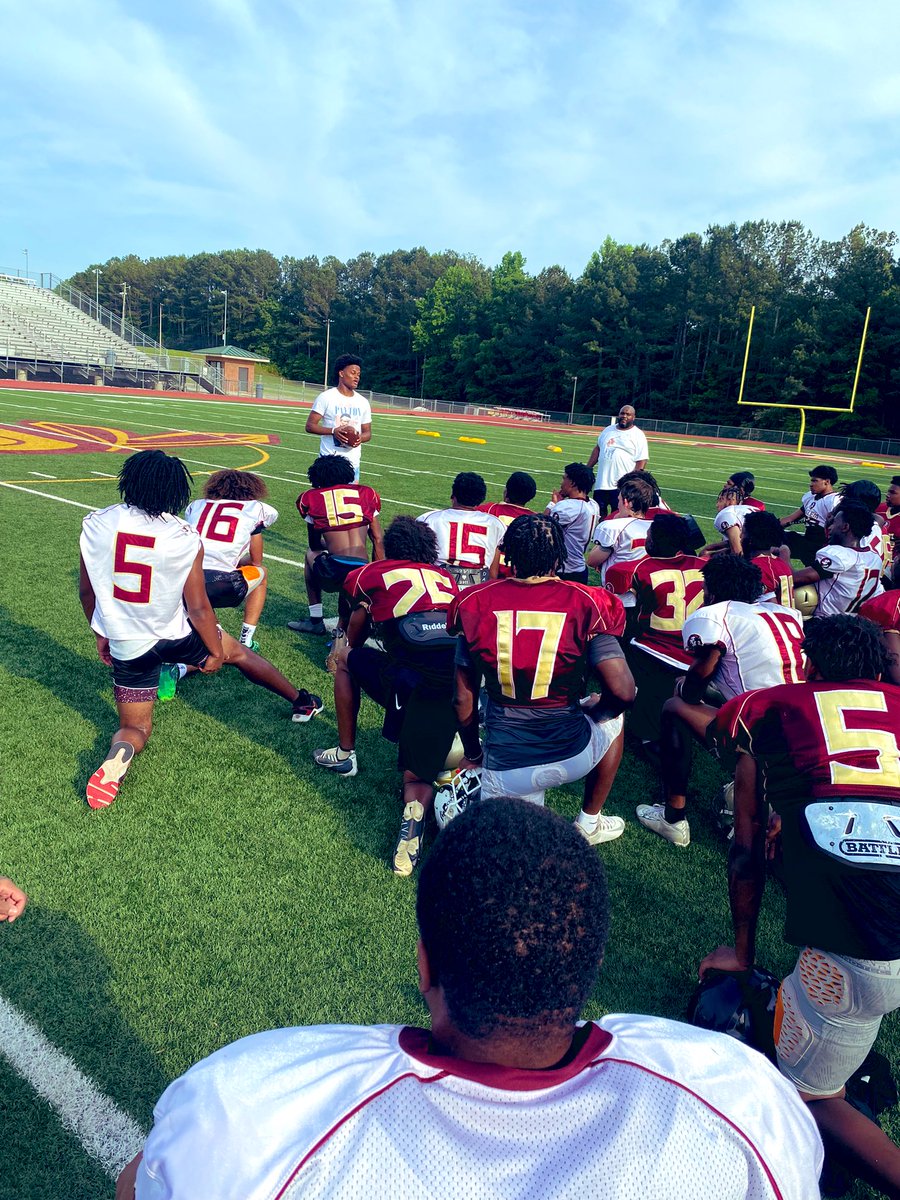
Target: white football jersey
[(854, 577), (760, 644), (138, 566), (880, 544), (465, 537), (817, 509), (225, 528), (577, 519), (732, 516), (626, 537), (377, 1114)]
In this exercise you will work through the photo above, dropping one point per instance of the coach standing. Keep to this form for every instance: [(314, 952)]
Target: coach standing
[(621, 448), (341, 417)]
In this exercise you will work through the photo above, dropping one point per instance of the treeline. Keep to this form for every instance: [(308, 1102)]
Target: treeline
[(663, 328)]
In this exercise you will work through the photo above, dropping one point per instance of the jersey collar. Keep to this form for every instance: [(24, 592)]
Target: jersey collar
[(589, 1044)]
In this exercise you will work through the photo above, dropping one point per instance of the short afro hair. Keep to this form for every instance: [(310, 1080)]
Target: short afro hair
[(513, 913), (342, 362), (824, 472), (858, 516), (155, 482), (581, 476), (520, 488), (730, 577), (331, 470), (668, 535), (845, 647), (534, 546), (235, 485), (469, 489), (411, 540), (761, 533)]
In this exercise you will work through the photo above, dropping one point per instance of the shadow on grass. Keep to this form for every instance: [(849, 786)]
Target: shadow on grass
[(53, 975)]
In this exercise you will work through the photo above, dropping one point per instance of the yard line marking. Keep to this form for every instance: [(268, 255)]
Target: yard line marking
[(42, 474), (107, 1133), (17, 488), (274, 557), (103, 474)]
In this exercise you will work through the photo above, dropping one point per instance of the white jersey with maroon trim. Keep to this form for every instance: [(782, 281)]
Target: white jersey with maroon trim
[(377, 1114), (577, 519), (626, 537), (732, 517), (465, 536), (138, 566), (817, 509), (760, 644), (854, 576), (877, 541), (225, 528)]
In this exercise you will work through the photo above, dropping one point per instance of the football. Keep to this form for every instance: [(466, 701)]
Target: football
[(353, 436)]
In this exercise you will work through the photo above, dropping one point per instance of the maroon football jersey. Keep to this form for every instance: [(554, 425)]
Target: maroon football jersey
[(345, 506), (668, 590), (778, 577), (506, 513), (531, 638), (884, 610), (393, 587), (753, 503)]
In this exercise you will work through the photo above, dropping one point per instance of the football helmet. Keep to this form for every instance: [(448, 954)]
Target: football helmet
[(453, 797), (743, 1006)]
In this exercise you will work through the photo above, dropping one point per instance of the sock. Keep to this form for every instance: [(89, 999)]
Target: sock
[(342, 753), (247, 632), (588, 821), (182, 670), (315, 612), (674, 814)]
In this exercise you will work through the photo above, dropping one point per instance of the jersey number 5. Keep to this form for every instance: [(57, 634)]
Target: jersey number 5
[(833, 709), (143, 571)]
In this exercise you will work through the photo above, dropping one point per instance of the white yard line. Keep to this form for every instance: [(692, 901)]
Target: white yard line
[(107, 1133), (42, 474)]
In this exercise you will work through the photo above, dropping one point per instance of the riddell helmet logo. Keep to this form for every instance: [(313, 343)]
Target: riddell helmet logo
[(50, 437)]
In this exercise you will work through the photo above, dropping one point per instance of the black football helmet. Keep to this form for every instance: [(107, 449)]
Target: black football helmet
[(743, 1006)]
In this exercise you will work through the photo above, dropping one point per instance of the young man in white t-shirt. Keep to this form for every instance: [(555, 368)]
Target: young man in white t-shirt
[(143, 592), (507, 1095), (621, 448), (577, 515), (340, 417), (815, 509)]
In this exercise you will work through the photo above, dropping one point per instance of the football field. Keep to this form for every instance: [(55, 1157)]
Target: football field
[(234, 886)]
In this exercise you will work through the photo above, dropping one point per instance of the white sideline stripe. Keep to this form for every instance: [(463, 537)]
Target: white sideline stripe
[(274, 557), (106, 1133), (42, 474), (62, 499)]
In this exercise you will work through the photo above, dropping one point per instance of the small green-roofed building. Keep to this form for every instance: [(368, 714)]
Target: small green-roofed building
[(235, 367)]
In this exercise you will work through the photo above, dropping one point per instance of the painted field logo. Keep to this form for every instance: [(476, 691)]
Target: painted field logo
[(48, 437)]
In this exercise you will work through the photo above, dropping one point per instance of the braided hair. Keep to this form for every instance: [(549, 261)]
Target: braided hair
[(155, 482), (534, 546)]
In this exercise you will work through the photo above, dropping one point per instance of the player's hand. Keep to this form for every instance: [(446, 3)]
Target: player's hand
[(213, 663), (784, 552), (723, 958), (12, 900), (469, 764), (555, 497), (103, 650)]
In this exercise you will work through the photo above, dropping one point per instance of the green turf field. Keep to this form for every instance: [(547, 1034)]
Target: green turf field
[(234, 886)]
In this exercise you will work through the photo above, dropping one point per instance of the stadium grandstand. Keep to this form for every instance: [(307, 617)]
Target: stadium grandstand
[(51, 332)]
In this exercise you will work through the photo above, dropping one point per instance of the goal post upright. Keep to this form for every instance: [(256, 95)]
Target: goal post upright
[(802, 408)]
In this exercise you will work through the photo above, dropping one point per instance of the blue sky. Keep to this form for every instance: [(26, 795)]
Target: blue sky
[(474, 125)]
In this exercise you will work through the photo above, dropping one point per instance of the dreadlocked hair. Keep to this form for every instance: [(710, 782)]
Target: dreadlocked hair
[(730, 577), (845, 647), (864, 491), (534, 546), (330, 470), (410, 540), (235, 485), (155, 482), (732, 494)]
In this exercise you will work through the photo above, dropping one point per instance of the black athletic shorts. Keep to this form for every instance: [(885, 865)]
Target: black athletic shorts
[(141, 674), (330, 570), (225, 589), (421, 719)]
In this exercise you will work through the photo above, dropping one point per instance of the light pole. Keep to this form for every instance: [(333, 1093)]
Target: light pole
[(124, 294), (97, 274), (224, 292), (574, 389), (327, 347), (25, 252)]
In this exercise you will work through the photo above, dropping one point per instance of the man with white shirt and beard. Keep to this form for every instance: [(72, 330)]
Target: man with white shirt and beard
[(621, 448)]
